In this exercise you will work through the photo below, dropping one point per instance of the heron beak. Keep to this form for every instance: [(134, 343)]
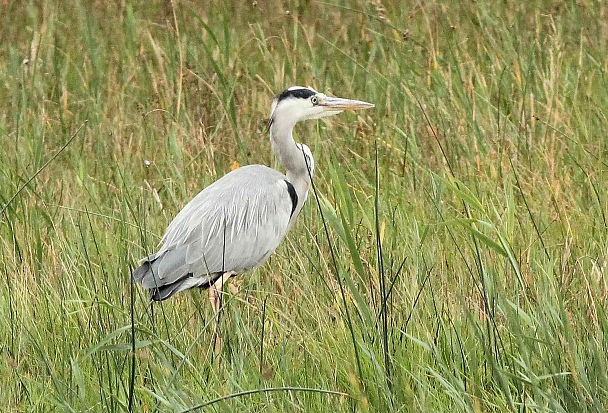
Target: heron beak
[(339, 104)]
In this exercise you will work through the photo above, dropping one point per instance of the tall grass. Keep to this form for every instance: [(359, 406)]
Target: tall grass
[(452, 253)]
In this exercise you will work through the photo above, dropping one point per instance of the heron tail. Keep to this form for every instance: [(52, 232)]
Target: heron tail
[(163, 292), (162, 288)]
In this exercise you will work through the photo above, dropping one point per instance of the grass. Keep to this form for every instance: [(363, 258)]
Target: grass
[(451, 258)]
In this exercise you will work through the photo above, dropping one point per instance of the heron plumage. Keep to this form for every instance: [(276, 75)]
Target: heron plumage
[(237, 222), (233, 225)]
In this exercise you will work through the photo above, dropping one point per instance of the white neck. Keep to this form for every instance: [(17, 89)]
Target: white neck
[(286, 151), (293, 160)]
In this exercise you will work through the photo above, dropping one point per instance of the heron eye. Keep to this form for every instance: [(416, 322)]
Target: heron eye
[(314, 100)]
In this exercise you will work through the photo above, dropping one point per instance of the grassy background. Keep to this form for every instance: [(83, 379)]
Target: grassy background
[(453, 259)]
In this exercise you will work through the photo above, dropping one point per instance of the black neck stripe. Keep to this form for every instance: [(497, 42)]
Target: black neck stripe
[(293, 195)]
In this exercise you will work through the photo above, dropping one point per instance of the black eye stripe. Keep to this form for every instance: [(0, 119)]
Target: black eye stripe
[(296, 93)]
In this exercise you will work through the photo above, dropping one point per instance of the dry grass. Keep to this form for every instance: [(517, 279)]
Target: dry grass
[(453, 260)]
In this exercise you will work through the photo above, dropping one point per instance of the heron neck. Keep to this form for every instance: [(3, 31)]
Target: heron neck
[(292, 159), (285, 149), (301, 186)]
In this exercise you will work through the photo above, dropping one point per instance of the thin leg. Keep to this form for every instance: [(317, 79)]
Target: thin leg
[(215, 292), (233, 288), (215, 296)]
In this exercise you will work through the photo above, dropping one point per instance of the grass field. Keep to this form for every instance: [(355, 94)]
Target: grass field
[(453, 255)]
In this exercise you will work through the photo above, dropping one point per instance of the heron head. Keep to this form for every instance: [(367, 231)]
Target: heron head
[(301, 103)]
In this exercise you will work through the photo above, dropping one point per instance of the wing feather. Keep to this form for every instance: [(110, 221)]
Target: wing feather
[(232, 225)]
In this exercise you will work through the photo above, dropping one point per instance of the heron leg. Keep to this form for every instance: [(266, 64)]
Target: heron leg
[(215, 296), (215, 291), (233, 288)]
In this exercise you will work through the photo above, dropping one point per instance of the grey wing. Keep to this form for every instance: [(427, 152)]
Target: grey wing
[(231, 226)]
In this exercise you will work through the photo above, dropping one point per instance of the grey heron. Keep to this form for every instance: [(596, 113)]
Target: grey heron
[(237, 222)]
